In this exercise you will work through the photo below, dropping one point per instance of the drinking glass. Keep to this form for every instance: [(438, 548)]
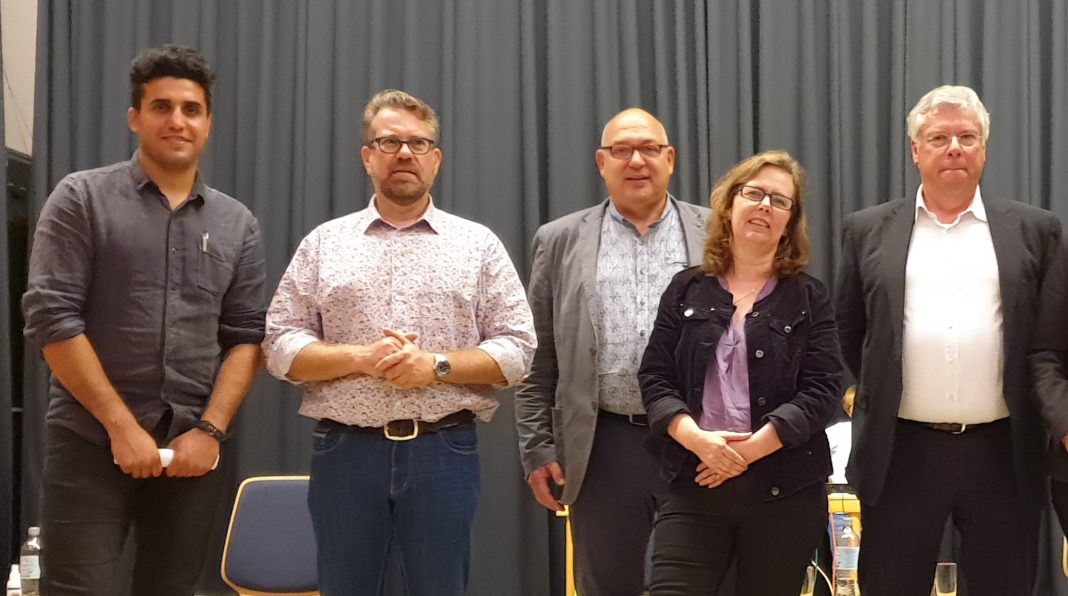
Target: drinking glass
[(808, 587), (945, 581)]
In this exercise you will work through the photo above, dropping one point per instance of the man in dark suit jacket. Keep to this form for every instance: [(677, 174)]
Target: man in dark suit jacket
[(595, 285), (937, 297), (1049, 375)]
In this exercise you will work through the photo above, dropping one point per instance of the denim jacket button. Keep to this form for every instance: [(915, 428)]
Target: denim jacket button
[(759, 353)]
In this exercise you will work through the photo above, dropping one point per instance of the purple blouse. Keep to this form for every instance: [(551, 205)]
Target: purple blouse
[(725, 404)]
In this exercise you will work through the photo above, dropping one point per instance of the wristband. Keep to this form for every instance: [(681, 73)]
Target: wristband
[(212, 430)]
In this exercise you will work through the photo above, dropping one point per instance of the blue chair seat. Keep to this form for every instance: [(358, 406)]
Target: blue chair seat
[(270, 546)]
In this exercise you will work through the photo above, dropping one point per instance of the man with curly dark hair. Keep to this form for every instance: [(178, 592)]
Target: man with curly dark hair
[(146, 296)]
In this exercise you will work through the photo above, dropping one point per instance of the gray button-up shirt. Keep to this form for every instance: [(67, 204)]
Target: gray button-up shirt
[(161, 295), (632, 272)]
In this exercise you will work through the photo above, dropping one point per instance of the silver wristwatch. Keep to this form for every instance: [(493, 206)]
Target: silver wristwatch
[(442, 368)]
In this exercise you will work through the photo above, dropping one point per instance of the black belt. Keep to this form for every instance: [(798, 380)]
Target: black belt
[(954, 428), (406, 429), (635, 419)]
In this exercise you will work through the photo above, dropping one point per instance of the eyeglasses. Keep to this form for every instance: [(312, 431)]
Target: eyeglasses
[(627, 151), (417, 145), (756, 194), (940, 140)]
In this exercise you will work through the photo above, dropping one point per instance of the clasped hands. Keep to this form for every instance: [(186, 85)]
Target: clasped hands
[(135, 452), (722, 454), (398, 360)]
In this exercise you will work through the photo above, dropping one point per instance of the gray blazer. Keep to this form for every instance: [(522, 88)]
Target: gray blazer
[(870, 308), (556, 406)]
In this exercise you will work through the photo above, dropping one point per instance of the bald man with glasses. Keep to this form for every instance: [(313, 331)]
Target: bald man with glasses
[(594, 288)]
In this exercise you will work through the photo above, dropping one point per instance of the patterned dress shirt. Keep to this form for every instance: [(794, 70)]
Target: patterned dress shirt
[(632, 272), (448, 279)]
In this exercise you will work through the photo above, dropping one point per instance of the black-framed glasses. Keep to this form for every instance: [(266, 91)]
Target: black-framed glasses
[(417, 145), (756, 194), (626, 151)]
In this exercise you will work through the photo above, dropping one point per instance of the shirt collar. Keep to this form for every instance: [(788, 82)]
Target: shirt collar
[(432, 216), (141, 179), (976, 207), (669, 208)]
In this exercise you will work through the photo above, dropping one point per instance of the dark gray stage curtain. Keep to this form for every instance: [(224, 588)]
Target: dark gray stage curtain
[(7, 514), (523, 88)]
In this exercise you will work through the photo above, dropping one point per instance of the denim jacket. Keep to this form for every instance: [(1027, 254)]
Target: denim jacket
[(794, 373)]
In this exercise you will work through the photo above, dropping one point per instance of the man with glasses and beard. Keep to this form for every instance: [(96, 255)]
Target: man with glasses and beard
[(400, 321)]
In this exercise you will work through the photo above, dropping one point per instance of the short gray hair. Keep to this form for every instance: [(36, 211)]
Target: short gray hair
[(953, 95)]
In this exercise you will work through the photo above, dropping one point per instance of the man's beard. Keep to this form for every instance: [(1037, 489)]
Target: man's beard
[(403, 192)]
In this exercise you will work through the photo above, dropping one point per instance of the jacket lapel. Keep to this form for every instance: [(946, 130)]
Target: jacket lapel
[(693, 223), (589, 242), (895, 247), (1005, 236)]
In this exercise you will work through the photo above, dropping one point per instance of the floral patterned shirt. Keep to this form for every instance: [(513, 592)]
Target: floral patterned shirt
[(448, 279), (632, 272)]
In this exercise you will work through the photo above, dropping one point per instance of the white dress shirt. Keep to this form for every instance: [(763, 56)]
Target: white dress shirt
[(952, 351)]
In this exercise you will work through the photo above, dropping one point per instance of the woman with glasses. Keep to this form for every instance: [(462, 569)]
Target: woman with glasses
[(740, 377)]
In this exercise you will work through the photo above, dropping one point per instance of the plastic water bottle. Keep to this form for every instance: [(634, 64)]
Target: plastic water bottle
[(30, 563), (14, 582), (846, 554)]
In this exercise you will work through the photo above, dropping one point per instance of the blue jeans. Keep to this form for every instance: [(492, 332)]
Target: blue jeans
[(368, 495)]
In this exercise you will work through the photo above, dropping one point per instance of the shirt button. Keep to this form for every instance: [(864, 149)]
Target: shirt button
[(787, 329), (641, 334), (775, 491), (761, 401), (688, 312), (759, 353)]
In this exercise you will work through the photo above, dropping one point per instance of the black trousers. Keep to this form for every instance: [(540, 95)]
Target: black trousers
[(89, 506), (700, 532), (967, 477), (613, 515)]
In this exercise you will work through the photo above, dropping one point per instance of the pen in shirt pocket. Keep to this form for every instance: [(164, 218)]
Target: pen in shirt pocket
[(204, 242)]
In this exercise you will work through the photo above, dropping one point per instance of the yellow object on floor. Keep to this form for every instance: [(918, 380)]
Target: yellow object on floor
[(569, 555)]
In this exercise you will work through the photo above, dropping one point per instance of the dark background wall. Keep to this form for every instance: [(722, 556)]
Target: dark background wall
[(523, 88)]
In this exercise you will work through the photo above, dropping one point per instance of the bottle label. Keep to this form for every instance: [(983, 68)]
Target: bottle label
[(846, 557), (30, 567)]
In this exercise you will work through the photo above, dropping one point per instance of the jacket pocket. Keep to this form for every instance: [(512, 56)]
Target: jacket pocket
[(788, 338), (695, 312)]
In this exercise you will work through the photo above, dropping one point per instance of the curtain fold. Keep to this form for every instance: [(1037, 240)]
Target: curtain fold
[(7, 437), (523, 89)]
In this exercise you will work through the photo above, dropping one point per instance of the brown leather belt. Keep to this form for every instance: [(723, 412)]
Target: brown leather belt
[(406, 429), (635, 419), (954, 428)]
